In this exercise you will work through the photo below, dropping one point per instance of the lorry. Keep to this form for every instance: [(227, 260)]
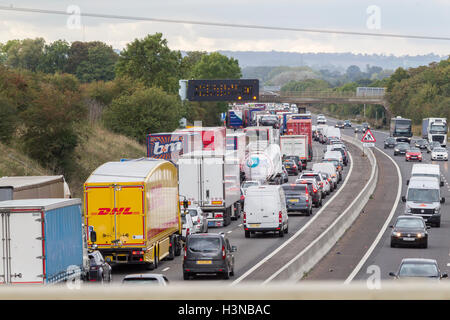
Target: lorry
[(400, 129), (301, 127), (235, 119), (263, 162), (43, 241), (212, 138), (236, 143), (33, 187), (295, 145), (262, 133), (132, 211), (211, 181), (435, 129), (170, 146)]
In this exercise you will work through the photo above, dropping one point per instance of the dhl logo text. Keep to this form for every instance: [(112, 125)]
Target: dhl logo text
[(111, 211)]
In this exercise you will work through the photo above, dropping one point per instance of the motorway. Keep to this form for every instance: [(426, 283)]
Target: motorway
[(369, 236), (250, 251)]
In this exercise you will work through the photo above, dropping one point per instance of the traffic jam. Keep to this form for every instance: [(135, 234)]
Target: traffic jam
[(256, 171)]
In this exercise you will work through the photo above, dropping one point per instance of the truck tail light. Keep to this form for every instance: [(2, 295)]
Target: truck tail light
[(218, 215)]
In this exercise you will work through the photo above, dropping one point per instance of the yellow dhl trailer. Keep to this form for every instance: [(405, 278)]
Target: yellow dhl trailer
[(132, 211)]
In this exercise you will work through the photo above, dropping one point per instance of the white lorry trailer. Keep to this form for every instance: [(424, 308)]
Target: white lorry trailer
[(435, 129), (211, 181), (295, 145), (263, 162)]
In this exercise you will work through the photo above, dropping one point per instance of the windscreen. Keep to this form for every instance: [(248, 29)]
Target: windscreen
[(294, 190), (423, 195), (438, 128), (403, 126), (209, 244), (418, 270), (409, 223), (141, 281)]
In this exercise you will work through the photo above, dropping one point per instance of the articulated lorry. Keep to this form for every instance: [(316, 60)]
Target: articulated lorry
[(33, 187), (263, 162), (211, 181), (132, 211), (435, 129), (43, 241)]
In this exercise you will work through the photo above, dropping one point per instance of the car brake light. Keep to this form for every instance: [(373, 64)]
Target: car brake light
[(187, 232), (328, 179), (223, 253), (218, 215), (244, 218), (185, 252), (280, 217), (242, 197), (315, 190)]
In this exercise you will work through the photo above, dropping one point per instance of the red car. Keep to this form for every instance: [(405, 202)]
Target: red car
[(413, 154)]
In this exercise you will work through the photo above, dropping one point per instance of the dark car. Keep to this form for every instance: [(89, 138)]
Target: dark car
[(298, 198), (347, 124), (322, 138), (339, 124), (359, 129), (419, 269), (421, 144), (300, 164), (269, 120), (389, 142), (409, 231), (401, 148), (314, 190), (208, 253), (413, 154), (99, 269), (291, 166)]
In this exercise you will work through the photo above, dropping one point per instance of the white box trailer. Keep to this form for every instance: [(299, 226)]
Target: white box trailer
[(211, 180), (42, 241), (295, 145), (33, 187)]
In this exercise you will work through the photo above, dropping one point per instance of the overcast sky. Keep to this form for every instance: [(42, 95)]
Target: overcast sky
[(428, 18)]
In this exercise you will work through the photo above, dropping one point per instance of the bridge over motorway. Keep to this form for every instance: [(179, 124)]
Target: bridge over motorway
[(322, 97)]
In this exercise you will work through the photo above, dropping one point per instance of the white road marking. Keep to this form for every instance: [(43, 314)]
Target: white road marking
[(230, 231), (240, 225), (165, 269), (383, 229), (256, 266)]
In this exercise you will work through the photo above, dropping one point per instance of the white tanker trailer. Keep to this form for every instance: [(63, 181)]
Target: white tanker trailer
[(263, 162)]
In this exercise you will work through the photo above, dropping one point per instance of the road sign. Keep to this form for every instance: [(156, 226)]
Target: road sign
[(368, 144), (368, 137), (239, 90)]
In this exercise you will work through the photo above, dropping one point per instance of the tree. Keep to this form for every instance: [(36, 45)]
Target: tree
[(189, 61), (217, 66), (151, 61), (8, 119), (24, 54), (144, 111), (55, 57), (354, 73), (50, 135), (99, 64)]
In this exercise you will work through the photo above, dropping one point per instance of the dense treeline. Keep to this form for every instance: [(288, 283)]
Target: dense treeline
[(51, 93)]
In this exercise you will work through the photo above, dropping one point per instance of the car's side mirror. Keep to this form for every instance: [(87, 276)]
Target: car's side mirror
[(442, 200), (233, 249), (392, 274), (403, 198), (428, 227), (391, 227), (444, 275), (93, 236), (407, 182), (442, 183)]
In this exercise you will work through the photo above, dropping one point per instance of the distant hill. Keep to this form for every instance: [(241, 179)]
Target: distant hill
[(330, 61)]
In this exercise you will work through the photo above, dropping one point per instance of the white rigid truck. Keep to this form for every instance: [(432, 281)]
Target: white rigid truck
[(211, 181), (295, 145)]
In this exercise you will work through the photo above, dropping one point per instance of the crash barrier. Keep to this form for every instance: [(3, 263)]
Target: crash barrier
[(311, 255)]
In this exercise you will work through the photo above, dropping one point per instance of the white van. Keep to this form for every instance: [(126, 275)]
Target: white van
[(334, 155), (327, 168), (426, 170), (423, 198), (265, 210)]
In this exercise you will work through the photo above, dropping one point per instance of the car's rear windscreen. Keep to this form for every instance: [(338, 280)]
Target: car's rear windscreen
[(207, 244)]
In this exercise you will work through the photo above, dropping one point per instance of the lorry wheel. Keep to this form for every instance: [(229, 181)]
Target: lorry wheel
[(177, 246)]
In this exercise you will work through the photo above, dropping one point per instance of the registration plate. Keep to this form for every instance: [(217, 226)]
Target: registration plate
[(288, 167), (293, 200), (408, 239), (254, 225), (204, 262)]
